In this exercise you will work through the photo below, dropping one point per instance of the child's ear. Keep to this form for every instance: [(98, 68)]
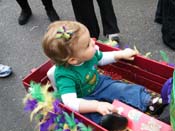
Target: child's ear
[(72, 61)]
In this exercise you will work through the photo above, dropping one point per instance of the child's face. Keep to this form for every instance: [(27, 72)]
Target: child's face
[(85, 47)]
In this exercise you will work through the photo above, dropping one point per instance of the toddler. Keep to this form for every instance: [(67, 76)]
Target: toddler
[(80, 86)]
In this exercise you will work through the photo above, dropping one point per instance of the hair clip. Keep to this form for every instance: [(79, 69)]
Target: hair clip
[(63, 33)]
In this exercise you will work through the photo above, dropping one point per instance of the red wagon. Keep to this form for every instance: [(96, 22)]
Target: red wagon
[(143, 71)]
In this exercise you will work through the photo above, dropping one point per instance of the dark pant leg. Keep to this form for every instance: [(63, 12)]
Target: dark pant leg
[(24, 5), (168, 24), (84, 13), (109, 19), (48, 4), (159, 12)]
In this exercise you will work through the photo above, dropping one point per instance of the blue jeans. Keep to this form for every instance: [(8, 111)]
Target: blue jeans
[(108, 90)]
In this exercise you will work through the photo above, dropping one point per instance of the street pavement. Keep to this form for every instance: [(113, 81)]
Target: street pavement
[(20, 47)]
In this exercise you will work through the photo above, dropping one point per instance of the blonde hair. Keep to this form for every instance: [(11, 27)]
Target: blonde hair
[(61, 49)]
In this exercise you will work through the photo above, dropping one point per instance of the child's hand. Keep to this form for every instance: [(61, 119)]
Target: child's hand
[(127, 54), (105, 108)]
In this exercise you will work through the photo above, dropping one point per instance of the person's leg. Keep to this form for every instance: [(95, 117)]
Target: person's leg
[(135, 95), (159, 12), (132, 94), (109, 19), (168, 23), (84, 13), (51, 13), (25, 12)]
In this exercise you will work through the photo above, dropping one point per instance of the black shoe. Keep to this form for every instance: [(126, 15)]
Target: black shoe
[(114, 122), (24, 17), (53, 16), (155, 105)]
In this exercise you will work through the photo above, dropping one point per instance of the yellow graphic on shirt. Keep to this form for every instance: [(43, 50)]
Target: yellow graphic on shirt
[(91, 78)]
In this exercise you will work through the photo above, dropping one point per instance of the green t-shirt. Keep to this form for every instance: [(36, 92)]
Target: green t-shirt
[(80, 79)]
